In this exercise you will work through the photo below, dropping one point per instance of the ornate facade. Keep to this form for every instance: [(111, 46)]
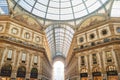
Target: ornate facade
[(96, 51), (22, 50)]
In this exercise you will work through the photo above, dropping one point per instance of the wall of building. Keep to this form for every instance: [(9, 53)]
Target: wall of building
[(97, 52), (22, 51)]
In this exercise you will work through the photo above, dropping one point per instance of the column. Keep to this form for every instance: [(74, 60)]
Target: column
[(27, 66)]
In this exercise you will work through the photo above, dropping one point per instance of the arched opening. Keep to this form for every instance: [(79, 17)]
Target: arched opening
[(96, 73), (58, 70), (21, 72), (6, 71), (84, 74), (34, 73), (112, 73)]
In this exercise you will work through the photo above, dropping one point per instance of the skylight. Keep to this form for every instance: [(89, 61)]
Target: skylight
[(59, 39), (3, 7), (61, 9), (115, 11)]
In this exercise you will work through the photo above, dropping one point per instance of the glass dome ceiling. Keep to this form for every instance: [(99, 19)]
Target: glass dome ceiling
[(61, 9)]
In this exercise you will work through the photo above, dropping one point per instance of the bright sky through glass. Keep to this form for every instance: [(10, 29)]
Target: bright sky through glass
[(3, 7), (115, 12), (58, 71)]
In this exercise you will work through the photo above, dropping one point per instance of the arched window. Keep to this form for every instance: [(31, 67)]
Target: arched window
[(34, 73), (96, 72), (111, 68), (21, 72), (84, 70), (6, 70), (83, 73), (112, 72), (96, 69)]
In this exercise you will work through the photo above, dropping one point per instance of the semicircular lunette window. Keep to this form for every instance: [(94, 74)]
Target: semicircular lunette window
[(61, 9), (59, 39)]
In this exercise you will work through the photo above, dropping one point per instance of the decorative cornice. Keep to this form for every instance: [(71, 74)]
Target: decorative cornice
[(98, 45), (21, 43)]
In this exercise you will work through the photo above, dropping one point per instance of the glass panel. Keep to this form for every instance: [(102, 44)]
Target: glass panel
[(3, 7), (35, 59), (54, 4), (66, 11), (115, 12), (40, 7), (23, 57), (53, 11), (81, 14), (38, 13), (94, 7), (65, 5), (10, 53), (94, 57), (79, 8), (25, 5), (30, 2), (52, 16), (77, 2), (109, 56), (45, 2)]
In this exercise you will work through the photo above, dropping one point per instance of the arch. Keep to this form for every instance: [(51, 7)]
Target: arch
[(62, 23), (96, 69), (94, 19), (58, 70), (59, 58), (34, 73), (84, 73), (28, 19), (83, 70), (111, 68), (112, 73), (21, 72), (96, 73), (6, 70)]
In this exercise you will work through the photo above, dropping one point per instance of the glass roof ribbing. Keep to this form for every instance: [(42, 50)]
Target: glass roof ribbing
[(61, 9), (59, 38), (3, 7)]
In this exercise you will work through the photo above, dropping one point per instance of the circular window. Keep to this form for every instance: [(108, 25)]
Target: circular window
[(118, 29), (1, 27), (27, 35), (104, 32), (14, 30), (92, 36), (81, 39), (37, 39)]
